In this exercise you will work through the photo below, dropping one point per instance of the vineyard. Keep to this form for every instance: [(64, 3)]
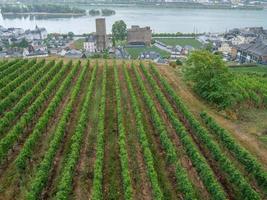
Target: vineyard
[(113, 130)]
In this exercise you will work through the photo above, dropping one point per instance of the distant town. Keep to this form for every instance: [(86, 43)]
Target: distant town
[(238, 45), (205, 4)]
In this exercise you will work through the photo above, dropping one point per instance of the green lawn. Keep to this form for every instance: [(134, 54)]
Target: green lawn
[(259, 69), (135, 52), (180, 41), (78, 44)]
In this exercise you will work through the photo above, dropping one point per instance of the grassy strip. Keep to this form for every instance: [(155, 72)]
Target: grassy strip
[(97, 189), (65, 184), (135, 52), (180, 41), (157, 193), (199, 162), (11, 137), (225, 165), (183, 181), (250, 163), (25, 101), (22, 89), (127, 185), (41, 175)]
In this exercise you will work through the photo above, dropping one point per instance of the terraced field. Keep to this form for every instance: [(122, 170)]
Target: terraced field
[(113, 130)]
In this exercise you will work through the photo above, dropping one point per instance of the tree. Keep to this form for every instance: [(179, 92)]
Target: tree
[(22, 44), (208, 47), (119, 30), (71, 35), (211, 78), (178, 62)]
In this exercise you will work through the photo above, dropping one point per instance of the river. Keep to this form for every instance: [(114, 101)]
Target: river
[(160, 20)]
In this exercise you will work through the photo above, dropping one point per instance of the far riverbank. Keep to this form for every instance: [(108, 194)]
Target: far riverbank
[(44, 13)]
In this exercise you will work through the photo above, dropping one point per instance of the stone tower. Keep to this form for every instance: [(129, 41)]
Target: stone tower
[(101, 34)]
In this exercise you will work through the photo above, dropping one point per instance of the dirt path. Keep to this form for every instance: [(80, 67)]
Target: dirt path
[(246, 139), (112, 181), (140, 182), (83, 180)]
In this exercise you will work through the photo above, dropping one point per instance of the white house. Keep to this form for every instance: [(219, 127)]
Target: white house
[(238, 40), (225, 48), (90, 45), (36, 34)]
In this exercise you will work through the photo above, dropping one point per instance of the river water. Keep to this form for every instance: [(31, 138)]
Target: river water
[(169, 20)]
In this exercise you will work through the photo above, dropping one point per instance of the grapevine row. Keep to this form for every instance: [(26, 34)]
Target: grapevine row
[(11, 73), (12, 69), (98, 166), (157, 193), (40, 126), (5, 65), (14, 96), (181, 175), (199, 162), (127, 185), (241, 154), (7, 142), (41, 175), (25, 101), (235, 177), (65, 180), (20, 78)]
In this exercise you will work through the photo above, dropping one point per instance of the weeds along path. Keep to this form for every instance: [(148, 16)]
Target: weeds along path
[(139, 178), (112, 169), (97, 188), (83, 179), (123, 154)]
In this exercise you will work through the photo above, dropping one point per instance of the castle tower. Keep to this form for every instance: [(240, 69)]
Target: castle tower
[(101, 34)]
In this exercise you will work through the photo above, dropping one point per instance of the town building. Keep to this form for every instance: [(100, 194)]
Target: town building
[(36, 34), (139, 36), (225, 48), (35, 54), (90, 44), (73, 54), (253, 53), (101, 35)]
